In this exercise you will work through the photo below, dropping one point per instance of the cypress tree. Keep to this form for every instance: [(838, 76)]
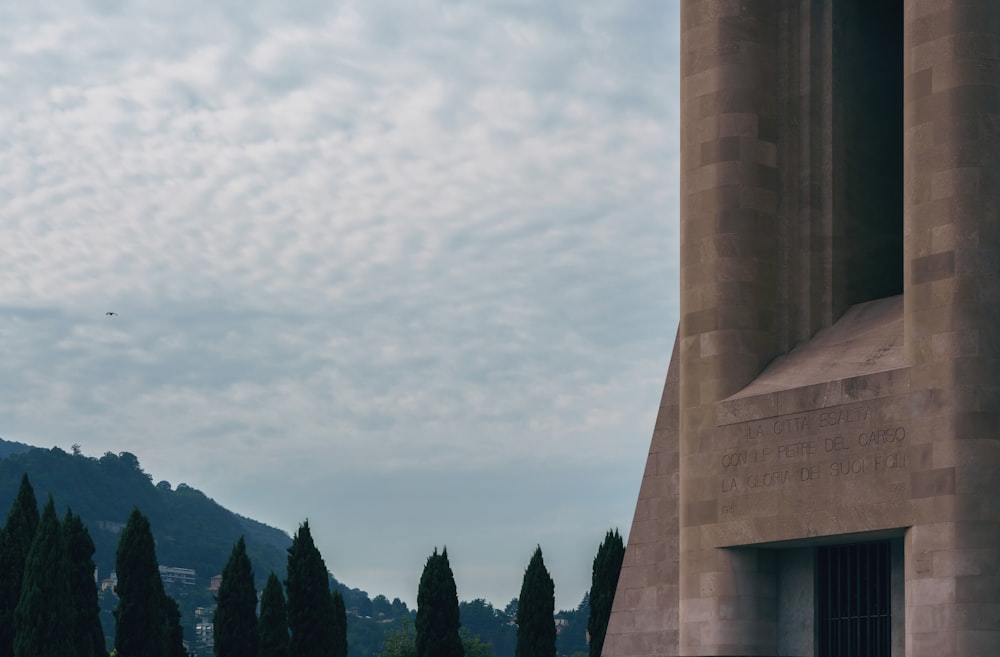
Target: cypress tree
[(273, 620), (43, 624), (172, 629), (15, 542), (437, 610), (536, 628), (339, 620), (87, 631), (141, 621), (235, 620), (603, 583), (309, 605)]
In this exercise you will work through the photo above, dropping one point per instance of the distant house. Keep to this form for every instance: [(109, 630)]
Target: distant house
[(204, 636), (182, 576), (216, 583), (110, 583), (204, 630)]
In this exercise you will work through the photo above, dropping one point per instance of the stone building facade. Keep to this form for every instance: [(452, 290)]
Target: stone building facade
[(824, 474)]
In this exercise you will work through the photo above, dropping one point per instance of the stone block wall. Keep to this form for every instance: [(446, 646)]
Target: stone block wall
[(788, 419)]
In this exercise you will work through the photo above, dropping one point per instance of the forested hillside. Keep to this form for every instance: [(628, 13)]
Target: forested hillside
[(191, 530), (8, 447)]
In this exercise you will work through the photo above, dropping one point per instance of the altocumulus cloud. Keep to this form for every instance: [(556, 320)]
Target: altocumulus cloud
[(406, 268)]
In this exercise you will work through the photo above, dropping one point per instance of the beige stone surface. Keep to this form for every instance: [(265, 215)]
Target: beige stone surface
[(836, 375), (868, 338), (644, 618)]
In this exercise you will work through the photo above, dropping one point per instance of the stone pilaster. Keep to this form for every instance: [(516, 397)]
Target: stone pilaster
[(952, 319), (729, 274)]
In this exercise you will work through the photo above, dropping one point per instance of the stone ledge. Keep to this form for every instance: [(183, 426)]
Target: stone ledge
[(860, 357)]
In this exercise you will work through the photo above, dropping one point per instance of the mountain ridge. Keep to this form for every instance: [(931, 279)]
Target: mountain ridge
[(191, 530)]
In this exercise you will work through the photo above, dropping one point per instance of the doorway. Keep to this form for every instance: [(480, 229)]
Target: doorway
[(854, 600)]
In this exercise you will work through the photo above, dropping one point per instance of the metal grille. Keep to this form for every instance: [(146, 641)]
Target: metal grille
[(853, 600)]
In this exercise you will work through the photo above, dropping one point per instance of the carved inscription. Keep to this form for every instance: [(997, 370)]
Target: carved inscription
[(833, 444)]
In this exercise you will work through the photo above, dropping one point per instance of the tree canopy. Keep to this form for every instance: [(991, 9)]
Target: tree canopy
[(273, 619), (173, 631), (536, 629), (494, 626), (87, 631), (191, 529), (141, 628), (402, 642), (604, 582), (15, 542), (43, 618), (437, 610), (310, 605), (235, 620), (339, 621)]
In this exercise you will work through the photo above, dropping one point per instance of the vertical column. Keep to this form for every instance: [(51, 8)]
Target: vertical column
[(729, 275), (729, 195), (952, 320), (805, 144)]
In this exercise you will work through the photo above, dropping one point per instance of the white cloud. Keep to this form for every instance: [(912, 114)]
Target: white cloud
[(376, 239)]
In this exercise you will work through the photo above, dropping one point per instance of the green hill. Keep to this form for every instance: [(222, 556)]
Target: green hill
[(191, 530), (8, 447)]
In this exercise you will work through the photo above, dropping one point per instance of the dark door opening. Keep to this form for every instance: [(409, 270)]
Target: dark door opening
[(853, 600)]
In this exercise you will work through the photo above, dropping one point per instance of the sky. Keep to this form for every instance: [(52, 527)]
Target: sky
[(406, 268)]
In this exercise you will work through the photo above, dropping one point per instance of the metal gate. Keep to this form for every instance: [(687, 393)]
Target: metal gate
[(854, 600)]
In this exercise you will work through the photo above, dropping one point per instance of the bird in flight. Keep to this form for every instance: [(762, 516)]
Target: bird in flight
[(110, 313)]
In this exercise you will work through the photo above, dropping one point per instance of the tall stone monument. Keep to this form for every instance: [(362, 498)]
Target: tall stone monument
[(824, 473)]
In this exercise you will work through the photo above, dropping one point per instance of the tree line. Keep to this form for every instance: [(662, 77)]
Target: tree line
[(438, 631), (48, 599), (312, 623), (191, 529), (48, 593), (305, 619)]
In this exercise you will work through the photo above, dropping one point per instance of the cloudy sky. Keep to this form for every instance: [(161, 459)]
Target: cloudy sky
[(407, 268)]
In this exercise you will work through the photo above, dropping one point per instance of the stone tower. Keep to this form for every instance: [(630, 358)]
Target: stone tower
[(824, 474)]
